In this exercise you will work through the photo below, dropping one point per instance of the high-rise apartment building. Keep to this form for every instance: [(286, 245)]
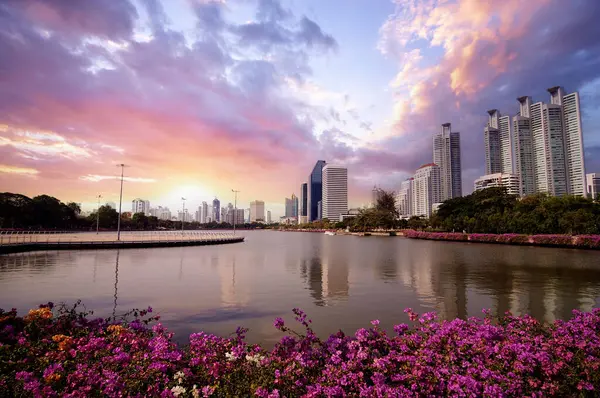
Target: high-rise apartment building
[(257, 211), (404, 198), (269, 217), (574, 144), (291, 206), (446, 154), (427, 185), (315, 191), (592, 185), (140, 206), (302, 204), (335, 192), (216, 210), (548, 145), (491, 137), (523, 148)]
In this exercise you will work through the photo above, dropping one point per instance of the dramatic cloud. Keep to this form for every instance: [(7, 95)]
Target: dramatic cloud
[(224, 94), (483, 55)]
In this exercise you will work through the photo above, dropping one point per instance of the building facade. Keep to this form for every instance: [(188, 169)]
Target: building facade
[(509, 181), (257, 211), (335, 192), (315, 191), (426, 189), (303, 202), (446, 154), (548, 145), (523, 148), (216, 210), (140, 206), (404, 198), (269, 220), (204, 215), (593, 185)]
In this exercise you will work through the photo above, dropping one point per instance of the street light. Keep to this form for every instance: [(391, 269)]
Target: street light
[(98, 214), (234, 208), (122, 166), (182, 215)]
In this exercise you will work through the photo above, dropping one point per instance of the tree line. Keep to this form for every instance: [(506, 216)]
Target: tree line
[(45, 212)]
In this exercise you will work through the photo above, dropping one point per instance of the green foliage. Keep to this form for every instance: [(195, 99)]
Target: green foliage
[(492, 210)]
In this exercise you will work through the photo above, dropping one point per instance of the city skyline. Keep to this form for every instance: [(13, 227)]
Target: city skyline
[(249, 94)]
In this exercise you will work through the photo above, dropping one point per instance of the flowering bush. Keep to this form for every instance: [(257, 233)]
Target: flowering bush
[(553, 240), (454, 236), (66, 354), (581, 241), (589, 241), (494, 238)]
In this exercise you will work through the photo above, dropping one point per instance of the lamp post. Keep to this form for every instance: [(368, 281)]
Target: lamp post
[(182, 215), (234, 208), (98, 214), (122, 166)]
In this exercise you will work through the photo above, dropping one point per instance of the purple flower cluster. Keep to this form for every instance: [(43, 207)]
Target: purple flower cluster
[(553, 240), (65, 354), (503, 238)]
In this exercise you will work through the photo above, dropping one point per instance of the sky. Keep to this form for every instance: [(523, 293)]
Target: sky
[(202, 97)]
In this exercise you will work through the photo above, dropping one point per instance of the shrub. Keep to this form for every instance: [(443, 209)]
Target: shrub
[(589, 241), (553, 240)]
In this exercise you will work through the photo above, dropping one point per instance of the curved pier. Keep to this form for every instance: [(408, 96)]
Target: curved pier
[(34, 242)]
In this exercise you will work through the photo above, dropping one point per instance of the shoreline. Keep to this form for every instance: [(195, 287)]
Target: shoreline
[(585, 242)]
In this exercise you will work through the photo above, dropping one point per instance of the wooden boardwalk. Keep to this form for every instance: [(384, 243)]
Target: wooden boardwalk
[(24, 242)]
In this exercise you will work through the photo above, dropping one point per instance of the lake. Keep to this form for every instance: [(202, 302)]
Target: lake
[(342, 282)]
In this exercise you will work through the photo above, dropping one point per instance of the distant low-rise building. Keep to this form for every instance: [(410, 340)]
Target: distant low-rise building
[(593, 185), (509, 181)]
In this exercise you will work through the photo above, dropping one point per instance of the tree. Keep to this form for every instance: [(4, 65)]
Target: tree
[(140, 221), (75, 207)]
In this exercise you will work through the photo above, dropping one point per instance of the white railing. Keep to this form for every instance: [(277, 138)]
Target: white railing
[(21, 237)]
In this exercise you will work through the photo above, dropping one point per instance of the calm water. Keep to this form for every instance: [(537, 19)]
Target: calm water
[(340, 281)]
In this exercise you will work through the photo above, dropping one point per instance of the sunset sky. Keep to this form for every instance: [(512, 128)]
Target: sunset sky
[(199, 97)]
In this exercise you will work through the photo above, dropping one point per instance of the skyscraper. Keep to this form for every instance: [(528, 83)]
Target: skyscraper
[(303, 211), (257, 211), (446, 154), (404, 198), (289, 207), (498, 144), (315, 190), (216, 210), (523, 147), (426, 189), (204, 213), (294, 206), (268, 216), (547, 145), (574, 144), (335, 192)]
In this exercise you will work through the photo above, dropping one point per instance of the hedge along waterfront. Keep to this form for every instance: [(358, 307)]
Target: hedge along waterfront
[(50, 353), (578, 241)]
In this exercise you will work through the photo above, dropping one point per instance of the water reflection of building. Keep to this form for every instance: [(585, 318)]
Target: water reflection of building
[(233, 293), (327, 273)]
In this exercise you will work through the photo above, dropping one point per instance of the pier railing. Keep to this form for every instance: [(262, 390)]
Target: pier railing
[(20, 237)]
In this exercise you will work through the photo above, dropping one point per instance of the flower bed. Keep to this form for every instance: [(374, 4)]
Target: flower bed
[(581, 241), (504, 238), (588, 241), (453, 236), (552, 240), (49, 354)]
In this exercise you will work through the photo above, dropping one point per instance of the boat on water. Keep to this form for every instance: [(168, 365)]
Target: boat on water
[(329, 233)]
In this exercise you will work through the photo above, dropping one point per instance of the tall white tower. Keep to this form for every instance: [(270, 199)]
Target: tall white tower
[(335, 192), (446, 154)]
